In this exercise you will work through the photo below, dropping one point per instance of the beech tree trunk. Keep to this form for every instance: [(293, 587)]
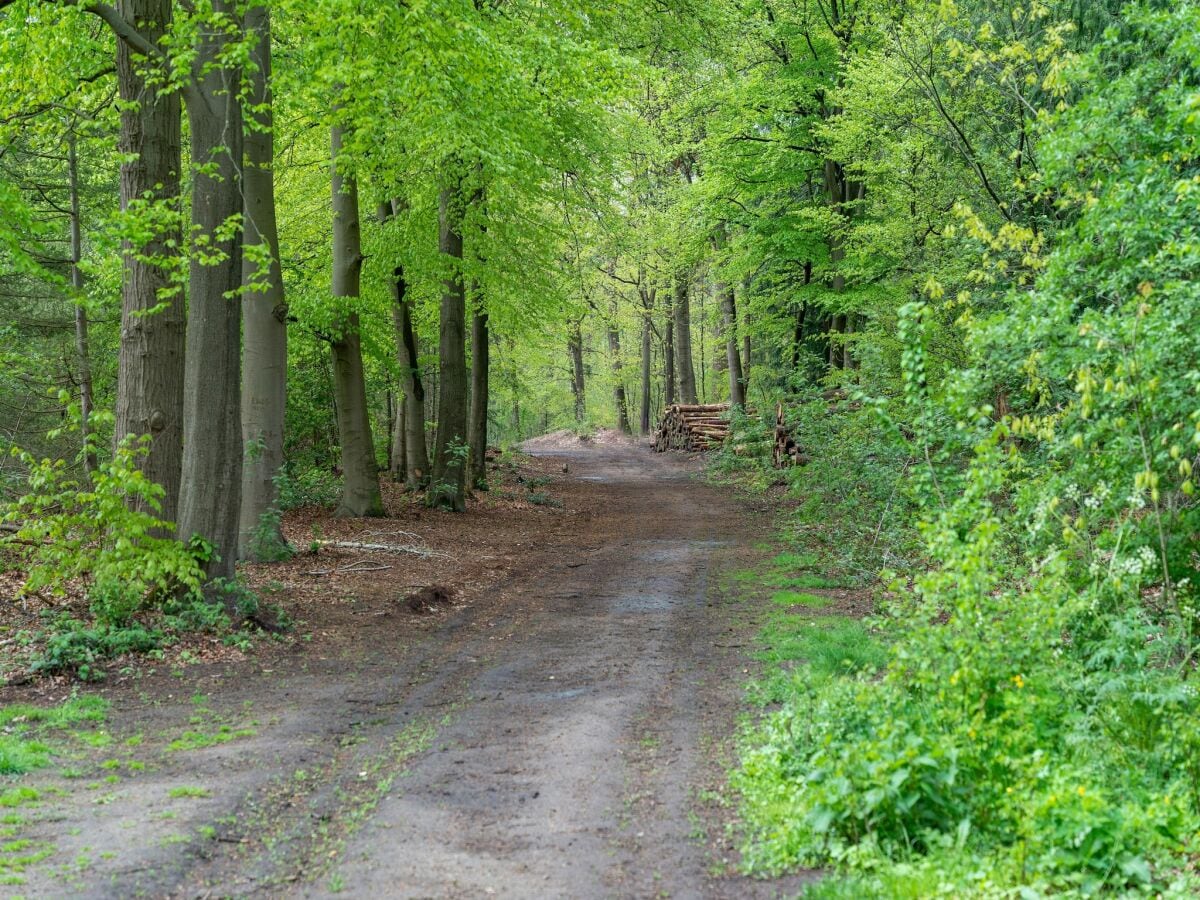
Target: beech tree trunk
[(449, 465), (514, 386), (578, 387), (614, 349), (83, 357), (837, 347), (211, 485), (416, 450), (801, 320), (841, 194), (683, 339), (264, 310), (647, 357), (746, 354), (400, 441), (480, 366), (360, 472), (737, 383), (150, 366), (668, 340)]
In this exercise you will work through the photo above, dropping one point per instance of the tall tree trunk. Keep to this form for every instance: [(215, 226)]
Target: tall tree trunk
[(683, 339), (746, 354), (837, 345), (477, 414), (669, 353), (83, 357), (480, 372), (614, 349), (264, 310), (150, 367), (737, 383), (841, 194), (449, 465), (211, 486), (514, 386), (578, 388), (399, 452), (801, 320), (798, 335), (701, 389), (360, 471), (647, 357), (416, 450)]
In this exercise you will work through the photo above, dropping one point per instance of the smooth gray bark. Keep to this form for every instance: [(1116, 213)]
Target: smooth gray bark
[(211, 483), (398, 462), (648, 297), (746, 355), (614, 349), (668, 339), (83, 357), (480, 373), (264, 310), (150, 365), (360, 472), (416, 449), (737, 383), (683, 338), (449, 464), (578, 385)]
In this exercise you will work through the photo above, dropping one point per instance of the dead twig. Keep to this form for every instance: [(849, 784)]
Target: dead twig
[(318, 573), (424, 552)]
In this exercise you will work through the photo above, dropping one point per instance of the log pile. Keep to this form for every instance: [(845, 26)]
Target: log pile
[(787, 452), (692, 427)]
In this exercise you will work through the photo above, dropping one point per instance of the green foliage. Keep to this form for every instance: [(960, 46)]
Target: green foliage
[(800, 653), (187, 791), (23, 746), (80, 648), (199, 740), (101, 531), (307, 487), (854, 508), (74, 646), (267, 543), (1035, 731)]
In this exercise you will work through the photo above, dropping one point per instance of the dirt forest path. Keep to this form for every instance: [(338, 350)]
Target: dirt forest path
[(564, 735)]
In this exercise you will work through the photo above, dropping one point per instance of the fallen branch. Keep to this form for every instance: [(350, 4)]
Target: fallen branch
[(382, 548), (352, 568)]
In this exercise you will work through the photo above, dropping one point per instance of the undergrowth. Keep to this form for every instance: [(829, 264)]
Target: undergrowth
[(26, 731), (1026, 723), (83, 648), (847, 506)]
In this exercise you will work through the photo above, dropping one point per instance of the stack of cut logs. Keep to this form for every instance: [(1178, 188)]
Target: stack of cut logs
[(787, 452), (692, 427)]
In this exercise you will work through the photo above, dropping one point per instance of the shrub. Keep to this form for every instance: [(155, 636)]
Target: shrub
[(101, 531), (1036, 729), (307, 487), (72, 646)]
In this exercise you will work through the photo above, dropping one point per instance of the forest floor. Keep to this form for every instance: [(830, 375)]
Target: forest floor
[(561, 727)]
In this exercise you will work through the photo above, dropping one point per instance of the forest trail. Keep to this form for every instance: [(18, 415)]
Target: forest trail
[(565, 735)]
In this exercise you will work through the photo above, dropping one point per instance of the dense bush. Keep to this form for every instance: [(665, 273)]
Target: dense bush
[(310, 486), (1038, 728), (850, 496), (100, 531)]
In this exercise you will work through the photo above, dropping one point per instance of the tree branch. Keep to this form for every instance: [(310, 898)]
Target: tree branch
[(122, 29), (115, 21)]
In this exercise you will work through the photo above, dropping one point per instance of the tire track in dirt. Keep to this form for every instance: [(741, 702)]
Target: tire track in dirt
[(551, 738), (571, 771)]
